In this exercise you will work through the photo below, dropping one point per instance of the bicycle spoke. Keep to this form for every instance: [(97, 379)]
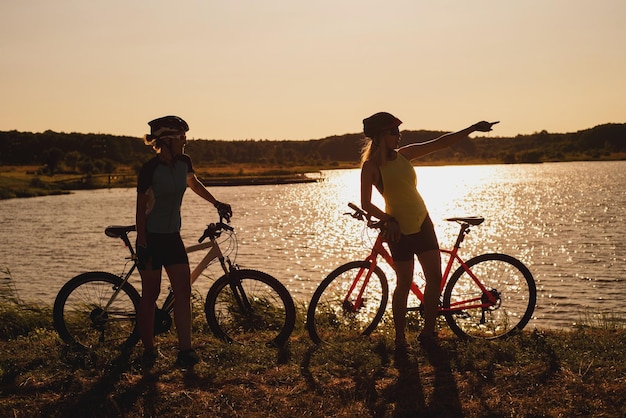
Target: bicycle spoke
[(337, 314), (85, 315), (504, 306), (255, 310)]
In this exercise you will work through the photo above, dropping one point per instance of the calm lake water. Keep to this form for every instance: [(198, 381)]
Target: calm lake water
[(566, 221)]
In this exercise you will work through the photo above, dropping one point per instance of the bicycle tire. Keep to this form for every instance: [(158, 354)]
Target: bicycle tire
[(80, 317), (270, 318), (505, 277), (328, 316)]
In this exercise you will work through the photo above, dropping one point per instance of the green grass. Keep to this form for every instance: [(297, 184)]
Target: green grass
[(538, 373), (12, 187)]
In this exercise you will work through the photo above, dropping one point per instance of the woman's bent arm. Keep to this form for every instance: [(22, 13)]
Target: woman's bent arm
[(368, 172)]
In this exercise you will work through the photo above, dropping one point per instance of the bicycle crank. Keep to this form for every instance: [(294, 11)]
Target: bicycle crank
[(162, 321), (488, 299)]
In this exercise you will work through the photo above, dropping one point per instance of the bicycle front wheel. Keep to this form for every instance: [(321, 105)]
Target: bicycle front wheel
[(348, 303), (250, 307), (503, 307), (97, 309)]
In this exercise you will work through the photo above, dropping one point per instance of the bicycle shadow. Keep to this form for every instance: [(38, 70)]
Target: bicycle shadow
[(112, 393), (305, 368), (364, 383), (416, 391), (98, 400)]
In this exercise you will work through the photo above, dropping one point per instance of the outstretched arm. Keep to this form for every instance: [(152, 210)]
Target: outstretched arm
[(413, 151)]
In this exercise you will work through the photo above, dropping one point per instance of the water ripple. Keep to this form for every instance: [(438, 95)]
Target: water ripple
[(566, 221)]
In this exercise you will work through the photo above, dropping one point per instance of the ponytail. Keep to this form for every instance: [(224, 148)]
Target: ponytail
[(153, 141)]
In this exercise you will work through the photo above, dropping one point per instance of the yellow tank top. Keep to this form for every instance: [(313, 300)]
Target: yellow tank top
[(402, 200)]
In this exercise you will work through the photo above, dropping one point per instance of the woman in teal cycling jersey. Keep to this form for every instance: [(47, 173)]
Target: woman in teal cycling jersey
[(161, 185), (410, 231)]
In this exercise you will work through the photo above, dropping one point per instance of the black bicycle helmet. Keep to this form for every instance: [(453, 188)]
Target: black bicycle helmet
[(167, 125), (378, 123)]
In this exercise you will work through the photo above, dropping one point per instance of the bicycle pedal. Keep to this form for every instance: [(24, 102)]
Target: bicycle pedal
[(162, 321)]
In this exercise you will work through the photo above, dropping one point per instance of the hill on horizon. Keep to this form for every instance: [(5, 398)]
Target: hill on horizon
[(101, 152)]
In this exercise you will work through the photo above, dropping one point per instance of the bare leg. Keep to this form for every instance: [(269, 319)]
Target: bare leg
[(431, 265), (404, 273), (150, 289), (180, 278)]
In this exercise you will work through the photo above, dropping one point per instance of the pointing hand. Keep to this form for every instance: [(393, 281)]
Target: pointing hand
[(484, 126)]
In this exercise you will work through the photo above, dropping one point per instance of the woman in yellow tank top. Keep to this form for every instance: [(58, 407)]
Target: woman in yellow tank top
[(410, 231)]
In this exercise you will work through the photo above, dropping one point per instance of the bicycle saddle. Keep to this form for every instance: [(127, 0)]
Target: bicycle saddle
[(472, 220), (116, 231)]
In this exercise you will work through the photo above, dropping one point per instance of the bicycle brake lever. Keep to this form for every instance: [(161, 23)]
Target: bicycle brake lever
[(376, 224), (208, 232), (222, 225)]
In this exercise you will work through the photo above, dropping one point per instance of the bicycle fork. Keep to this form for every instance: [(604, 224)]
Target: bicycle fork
[(350, 306), (234, 282)]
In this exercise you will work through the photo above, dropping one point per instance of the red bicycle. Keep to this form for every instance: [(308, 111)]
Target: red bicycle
[(489, 296)]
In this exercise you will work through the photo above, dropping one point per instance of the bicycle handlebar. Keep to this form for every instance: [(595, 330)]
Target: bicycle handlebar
[(214, 230), (360, 214), (464, 222)]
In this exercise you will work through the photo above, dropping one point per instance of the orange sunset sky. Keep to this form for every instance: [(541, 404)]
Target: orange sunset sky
[(290, 69)]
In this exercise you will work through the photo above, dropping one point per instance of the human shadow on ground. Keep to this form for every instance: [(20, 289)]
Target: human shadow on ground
[(406, 395), (416, 393), (445, 401)]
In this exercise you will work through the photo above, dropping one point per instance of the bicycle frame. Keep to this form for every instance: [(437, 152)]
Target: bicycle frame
[(241, 305), (215, 252), (379, 250)]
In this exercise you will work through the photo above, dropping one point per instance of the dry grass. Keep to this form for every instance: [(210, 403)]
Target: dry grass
[(536, 374), (22, 181)]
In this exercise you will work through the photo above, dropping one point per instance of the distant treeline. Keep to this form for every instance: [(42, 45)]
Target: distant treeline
[(93, 153)]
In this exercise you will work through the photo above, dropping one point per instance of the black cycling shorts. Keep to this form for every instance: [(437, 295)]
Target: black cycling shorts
[(164, 250), (415, 244)]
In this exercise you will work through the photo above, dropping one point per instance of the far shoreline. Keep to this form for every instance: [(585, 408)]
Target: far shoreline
[(24, 181)]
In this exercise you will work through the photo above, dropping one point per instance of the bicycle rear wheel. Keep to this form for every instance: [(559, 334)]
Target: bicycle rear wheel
[(333, 315), (86, 315), (507, 280), (250, 307)]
